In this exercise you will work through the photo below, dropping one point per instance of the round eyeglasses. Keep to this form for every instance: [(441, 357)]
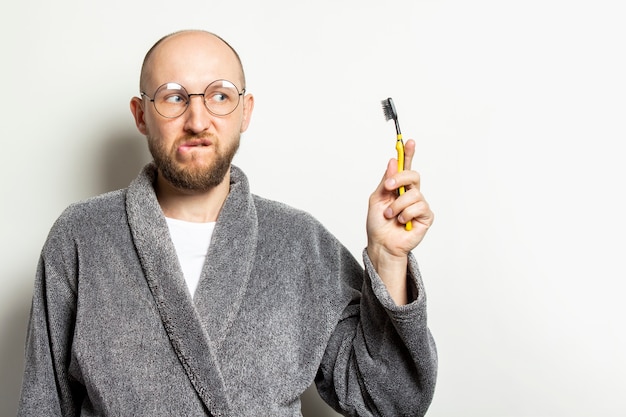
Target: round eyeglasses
[(171, 100)]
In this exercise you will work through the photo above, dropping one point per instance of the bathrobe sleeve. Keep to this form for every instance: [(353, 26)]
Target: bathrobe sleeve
[(381, 359), (46, 387)]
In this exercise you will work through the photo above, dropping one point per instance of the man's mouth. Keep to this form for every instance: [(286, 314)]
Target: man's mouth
[(194, 143)]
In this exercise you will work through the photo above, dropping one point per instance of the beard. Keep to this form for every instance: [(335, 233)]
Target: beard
[(194, 178)]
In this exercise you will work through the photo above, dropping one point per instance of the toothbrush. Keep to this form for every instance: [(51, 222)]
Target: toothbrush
[(390, 113)]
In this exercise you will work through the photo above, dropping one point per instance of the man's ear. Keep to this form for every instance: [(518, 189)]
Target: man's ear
[(136, 108), (248, 106)]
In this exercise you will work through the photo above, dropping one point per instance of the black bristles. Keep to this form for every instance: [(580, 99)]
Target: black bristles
[(389, 109), (390, 112)]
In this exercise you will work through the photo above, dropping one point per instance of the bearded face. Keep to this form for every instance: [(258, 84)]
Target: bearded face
[(198, 172), (194, 150)]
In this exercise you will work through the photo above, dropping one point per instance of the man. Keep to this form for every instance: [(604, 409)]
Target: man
[(186, 295)]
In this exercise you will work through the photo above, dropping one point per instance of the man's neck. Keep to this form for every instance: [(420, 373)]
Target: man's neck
[(191, 206)]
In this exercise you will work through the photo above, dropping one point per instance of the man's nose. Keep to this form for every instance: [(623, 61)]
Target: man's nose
[(198, 116)]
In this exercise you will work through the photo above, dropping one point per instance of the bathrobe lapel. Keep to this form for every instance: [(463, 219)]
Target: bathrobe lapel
[(195, 330), (229, 261)]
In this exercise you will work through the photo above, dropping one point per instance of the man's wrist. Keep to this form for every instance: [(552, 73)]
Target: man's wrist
[(392, 270)]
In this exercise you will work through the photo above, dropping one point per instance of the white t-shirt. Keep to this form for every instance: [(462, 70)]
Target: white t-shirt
[(191, 241)]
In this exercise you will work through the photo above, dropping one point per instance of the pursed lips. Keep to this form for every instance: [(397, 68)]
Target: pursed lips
[(194, 143)]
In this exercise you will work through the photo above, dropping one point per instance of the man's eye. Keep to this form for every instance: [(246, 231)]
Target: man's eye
[(174, 99), (219, 97)]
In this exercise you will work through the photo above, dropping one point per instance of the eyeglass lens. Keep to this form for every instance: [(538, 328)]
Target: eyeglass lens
[(221, 97)]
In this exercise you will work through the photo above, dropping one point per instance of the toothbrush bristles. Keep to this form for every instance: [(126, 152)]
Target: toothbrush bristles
[(389, 109)]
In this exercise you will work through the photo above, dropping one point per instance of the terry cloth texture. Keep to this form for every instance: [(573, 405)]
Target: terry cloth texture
[(114, 332)]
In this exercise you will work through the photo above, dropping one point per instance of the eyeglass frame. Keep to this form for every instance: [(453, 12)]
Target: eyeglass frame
[(190, 95)]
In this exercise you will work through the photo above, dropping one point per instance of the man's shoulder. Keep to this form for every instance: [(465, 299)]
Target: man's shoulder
[(272, 210), (103, 208), (280, 220), (87, 220)]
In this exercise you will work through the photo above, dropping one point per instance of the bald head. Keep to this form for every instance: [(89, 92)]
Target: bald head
[(175, 45)]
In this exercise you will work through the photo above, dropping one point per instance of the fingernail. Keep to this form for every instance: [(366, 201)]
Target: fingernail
[(390, 182), (388, 213)]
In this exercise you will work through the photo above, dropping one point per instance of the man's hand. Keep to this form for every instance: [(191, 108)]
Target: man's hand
[(388, 242)]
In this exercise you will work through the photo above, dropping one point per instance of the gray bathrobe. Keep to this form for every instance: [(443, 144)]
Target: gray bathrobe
[(114, 331)]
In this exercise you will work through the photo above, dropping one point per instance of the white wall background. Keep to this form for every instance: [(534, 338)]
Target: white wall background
[(518, 108)]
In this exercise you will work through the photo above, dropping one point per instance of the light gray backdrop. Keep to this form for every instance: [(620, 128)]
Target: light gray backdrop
[(518, 111)]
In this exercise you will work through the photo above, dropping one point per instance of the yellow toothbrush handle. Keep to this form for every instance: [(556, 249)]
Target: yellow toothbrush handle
[(400, 149)]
